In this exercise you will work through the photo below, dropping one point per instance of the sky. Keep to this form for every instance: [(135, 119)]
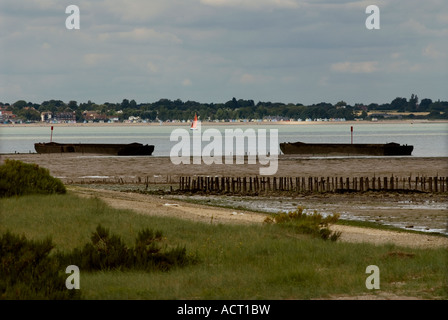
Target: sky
[(209, 51)]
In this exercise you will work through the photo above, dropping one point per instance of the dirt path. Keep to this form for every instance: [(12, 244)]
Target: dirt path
[(159, 205)]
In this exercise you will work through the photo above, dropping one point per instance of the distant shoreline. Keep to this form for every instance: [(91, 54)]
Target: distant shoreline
[(209, 124)]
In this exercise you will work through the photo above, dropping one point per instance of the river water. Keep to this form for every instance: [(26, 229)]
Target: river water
[(428, 139)]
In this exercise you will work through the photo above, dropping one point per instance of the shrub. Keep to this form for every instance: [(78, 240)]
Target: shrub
[(106, 252), (301, 222), (18, 178), (28, 272)]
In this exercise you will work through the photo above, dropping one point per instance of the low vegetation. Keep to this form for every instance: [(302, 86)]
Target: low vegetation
[(109, 252), (266, 261), (28, 272), (300, 221), (18, 178)]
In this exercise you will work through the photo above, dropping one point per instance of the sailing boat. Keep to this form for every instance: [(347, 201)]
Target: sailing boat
[(194, 124)]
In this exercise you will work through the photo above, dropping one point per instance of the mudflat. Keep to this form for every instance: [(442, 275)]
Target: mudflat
[(75, 167)]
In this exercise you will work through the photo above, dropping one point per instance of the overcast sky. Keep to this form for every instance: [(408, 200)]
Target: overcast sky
[(289, 51)]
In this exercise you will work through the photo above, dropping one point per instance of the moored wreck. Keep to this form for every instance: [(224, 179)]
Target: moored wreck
[(342, 149), (131, 149)]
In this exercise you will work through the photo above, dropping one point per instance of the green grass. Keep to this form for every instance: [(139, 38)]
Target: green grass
[(235, 261)]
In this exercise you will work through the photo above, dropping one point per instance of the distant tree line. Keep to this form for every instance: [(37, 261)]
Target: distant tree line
[(165, 109)]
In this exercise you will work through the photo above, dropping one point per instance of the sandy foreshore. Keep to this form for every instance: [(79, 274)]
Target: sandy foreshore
[(166, 206)]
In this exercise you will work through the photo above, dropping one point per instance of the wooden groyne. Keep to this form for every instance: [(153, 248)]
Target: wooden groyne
[(260, 184)]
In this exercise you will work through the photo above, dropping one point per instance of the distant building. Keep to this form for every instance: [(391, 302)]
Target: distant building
[(134, 119), (6, 115), (93, 115), (65, 116), (46, 116)]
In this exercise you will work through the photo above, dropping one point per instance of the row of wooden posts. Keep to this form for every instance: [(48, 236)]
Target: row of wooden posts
[(259, 184)]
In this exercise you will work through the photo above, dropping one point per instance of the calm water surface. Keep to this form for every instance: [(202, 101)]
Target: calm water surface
[(428, 139)]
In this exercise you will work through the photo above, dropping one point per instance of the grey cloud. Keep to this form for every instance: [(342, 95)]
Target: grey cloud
[(212, 50)]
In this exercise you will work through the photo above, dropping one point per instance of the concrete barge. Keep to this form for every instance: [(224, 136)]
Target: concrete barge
[(131, 149), (335, 149)]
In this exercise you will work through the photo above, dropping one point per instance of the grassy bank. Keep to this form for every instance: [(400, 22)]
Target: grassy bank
[(235, 262)]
